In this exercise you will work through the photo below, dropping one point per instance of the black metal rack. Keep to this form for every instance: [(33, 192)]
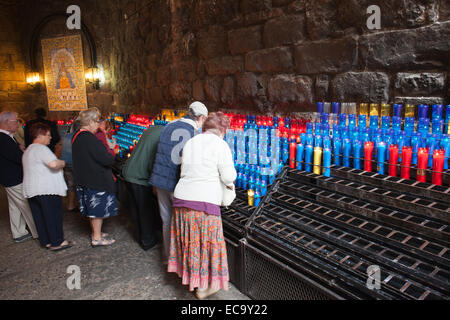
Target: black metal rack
[(322, 233)]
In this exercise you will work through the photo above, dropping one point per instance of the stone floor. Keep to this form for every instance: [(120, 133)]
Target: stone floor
[(121, 271)]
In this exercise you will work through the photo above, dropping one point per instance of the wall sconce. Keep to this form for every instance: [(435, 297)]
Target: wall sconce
[(93, 76), (33, 78)]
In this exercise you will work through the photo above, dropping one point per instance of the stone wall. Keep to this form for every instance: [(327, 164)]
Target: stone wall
[(12, 64), (258, 55)]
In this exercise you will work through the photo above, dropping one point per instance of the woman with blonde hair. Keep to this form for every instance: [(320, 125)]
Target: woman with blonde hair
[(93, 176), (198, 252)]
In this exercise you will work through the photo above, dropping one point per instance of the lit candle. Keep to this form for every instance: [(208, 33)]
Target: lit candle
[(347, 151), (438, 167), (406, 162), (326, 162), (393, 160), (364, 109), (381, 154), (337, 147), (357, 154), (423, 111), (368, 151), (409, 111), (422, 160), (317, 159), (300, 152), (415, 144), (445, 144), (397, 110), (292, 153), (308, 157)]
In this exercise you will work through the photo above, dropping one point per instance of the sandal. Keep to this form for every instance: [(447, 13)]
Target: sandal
[(61, 246), (103, 234), (102, 242), (204, 293)]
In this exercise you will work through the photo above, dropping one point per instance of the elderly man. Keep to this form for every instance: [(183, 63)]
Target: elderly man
[(11, 175), (166, 168)]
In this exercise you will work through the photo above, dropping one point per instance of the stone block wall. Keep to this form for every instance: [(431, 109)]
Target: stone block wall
[(258, 55)]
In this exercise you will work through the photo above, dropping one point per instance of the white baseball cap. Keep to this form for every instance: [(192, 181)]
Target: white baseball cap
[(198, 108)]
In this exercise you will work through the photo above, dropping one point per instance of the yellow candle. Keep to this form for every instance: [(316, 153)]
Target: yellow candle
[(374, 109), (385, 110), (364, 109), (410, 111), (251, 197), (317, 160)]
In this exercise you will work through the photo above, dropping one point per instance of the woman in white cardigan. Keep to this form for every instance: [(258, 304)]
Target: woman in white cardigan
[(44, 185), (197, 247)]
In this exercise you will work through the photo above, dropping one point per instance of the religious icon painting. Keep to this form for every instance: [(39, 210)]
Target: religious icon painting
[(64, 73)]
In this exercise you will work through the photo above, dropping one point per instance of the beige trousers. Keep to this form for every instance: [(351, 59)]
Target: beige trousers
[(20, 213)]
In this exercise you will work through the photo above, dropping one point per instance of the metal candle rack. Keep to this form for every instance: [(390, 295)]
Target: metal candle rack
[(324, 232)]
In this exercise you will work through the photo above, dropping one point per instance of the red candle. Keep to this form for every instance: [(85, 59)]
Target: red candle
[(292, 154), (368, 151), (406, 162), (438, 166), (422, 160), (393, 160)]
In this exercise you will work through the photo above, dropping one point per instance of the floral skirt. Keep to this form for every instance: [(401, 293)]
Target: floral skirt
[(198, 252), (96, 204)]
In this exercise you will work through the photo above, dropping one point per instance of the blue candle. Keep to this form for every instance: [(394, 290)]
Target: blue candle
[(415, 144), (409, 126), (386, 122), (326, 162), (337, 148), (300, 153), (438, 126), (309, 127), (320, 107), (362, 121), (401, 143), (424, 125), (352, 120), (447, 119), (317, 128), (318, 141), (335, 107), (445, 144), (303, 138), (308, 157), (309, 139), (396, 124), (423, 111), (437, 110), (326, 142), (357, 146), (373, 122), (343, 119), (325, 129), (388, 142), (325, 118), (381, 152), (431, 144), (347, 153), (397, 110)]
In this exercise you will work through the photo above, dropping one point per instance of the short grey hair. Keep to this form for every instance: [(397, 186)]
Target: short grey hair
[(193, 115), (7, 115), (86, 116)]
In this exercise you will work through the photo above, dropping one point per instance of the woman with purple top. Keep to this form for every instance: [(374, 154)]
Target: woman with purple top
[(197, 247)]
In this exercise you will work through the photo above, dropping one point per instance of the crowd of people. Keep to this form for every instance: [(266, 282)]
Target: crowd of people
[(178, 171)]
